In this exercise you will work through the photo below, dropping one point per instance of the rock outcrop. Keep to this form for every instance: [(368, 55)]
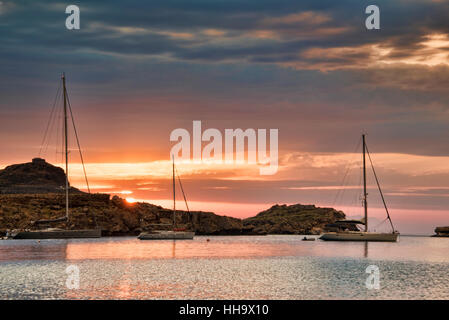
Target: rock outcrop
[(293, 219), (37, 176)]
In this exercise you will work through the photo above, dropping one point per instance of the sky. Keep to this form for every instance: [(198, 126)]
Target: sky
[(137, 70)]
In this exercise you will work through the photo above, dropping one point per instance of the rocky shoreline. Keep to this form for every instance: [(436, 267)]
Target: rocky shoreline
[(117, 217)]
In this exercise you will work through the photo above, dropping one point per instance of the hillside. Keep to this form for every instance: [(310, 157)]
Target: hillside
[(293, 219)]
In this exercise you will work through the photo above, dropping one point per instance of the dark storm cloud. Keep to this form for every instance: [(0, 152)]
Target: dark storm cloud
[(294, 25)]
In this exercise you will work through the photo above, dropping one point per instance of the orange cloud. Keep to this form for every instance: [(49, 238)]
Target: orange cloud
[(214, 32)]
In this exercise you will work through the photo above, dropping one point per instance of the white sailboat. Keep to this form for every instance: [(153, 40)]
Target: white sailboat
[(58, 233), (175, 233), (347, 235)]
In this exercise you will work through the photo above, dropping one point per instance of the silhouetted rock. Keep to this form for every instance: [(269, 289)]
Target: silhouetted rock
[(33, 177), (209, 223), (293, 219)]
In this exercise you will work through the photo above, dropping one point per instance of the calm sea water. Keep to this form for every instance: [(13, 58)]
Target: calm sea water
[(253, 267)]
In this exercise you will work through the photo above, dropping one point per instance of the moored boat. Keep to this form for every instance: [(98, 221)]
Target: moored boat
[(441, 232), (166, 235), (359, 236), (347, 230), (175, 233), (57, 233)]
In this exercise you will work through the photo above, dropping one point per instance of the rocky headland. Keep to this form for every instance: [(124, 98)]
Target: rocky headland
[(37, 176), (293, 219)]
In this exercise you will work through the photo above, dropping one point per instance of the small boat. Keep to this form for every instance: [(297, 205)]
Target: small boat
[(308, 239), (56, 233), (175, 233), (346, 233)]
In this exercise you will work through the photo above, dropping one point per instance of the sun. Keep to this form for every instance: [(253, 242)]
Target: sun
[(130, 200)]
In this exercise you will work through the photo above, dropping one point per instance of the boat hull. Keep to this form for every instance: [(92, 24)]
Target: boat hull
[(166, 235), (57, 234), (360, 236)]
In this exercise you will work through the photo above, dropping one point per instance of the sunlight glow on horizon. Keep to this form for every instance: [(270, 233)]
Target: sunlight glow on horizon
[(131, 200), (402, 218), (401, 163)]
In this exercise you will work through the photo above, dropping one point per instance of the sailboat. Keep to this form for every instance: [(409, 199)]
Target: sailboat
[(57, 233), (350, 235), (175, 233)]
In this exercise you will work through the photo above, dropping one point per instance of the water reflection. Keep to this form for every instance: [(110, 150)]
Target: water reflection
[(175, 249), (271, 267), (409, 248), (15, 250)]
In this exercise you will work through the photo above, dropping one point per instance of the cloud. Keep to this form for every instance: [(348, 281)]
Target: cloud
[(301, 35), (6, 6), (305, 17), (402, 76), (285, 64)]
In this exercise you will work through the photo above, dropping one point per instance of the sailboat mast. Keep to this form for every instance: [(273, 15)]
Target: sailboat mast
[(174, 193), (66, 149), (365, 204)]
